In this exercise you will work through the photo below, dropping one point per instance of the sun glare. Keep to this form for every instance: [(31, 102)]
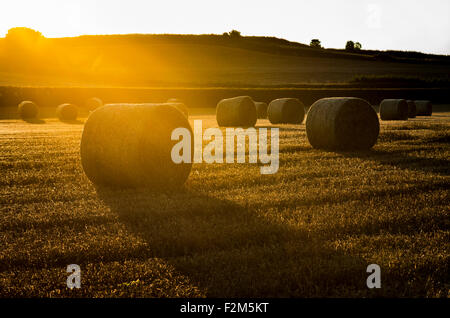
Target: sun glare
[(382, 24)]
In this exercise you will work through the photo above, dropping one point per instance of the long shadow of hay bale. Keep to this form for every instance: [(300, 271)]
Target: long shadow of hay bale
[(73, 122), (403, 160), (34, 121), (230, 250)]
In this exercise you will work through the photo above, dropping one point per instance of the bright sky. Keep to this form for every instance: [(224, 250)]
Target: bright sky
[(414, 25)]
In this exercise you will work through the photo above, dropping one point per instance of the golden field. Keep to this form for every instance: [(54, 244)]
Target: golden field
[(309, 230)]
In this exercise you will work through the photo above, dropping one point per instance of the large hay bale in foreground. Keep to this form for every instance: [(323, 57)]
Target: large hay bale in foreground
[(67, 112), (394, 109), (179, 104), (93, 103), (342, 123), (423, 107), (236, 112), (286, 111), (261, 110), (411, 109), (130, 146), (28, 110)]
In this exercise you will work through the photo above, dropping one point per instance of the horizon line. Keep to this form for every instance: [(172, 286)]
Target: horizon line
[(217, 34)]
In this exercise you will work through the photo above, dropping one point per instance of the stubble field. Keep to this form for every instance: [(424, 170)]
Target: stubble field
[(309, 230)]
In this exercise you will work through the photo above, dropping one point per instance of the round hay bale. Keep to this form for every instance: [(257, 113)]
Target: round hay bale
[(261, 110), (286, 111), (93, 103), (67, 112), (236, 112), (28, 110), (423, 107), (394, 109), (342, 123), (411, 109), (179, 104), (130, 146)]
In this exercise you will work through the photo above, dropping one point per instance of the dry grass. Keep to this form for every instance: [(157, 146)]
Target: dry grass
[(309, 230)]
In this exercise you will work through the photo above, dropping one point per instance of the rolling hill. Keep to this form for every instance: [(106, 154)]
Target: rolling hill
[(198, 61)]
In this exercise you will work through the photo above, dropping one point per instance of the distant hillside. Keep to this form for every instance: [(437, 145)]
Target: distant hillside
[(270, 45), (198, 60)]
